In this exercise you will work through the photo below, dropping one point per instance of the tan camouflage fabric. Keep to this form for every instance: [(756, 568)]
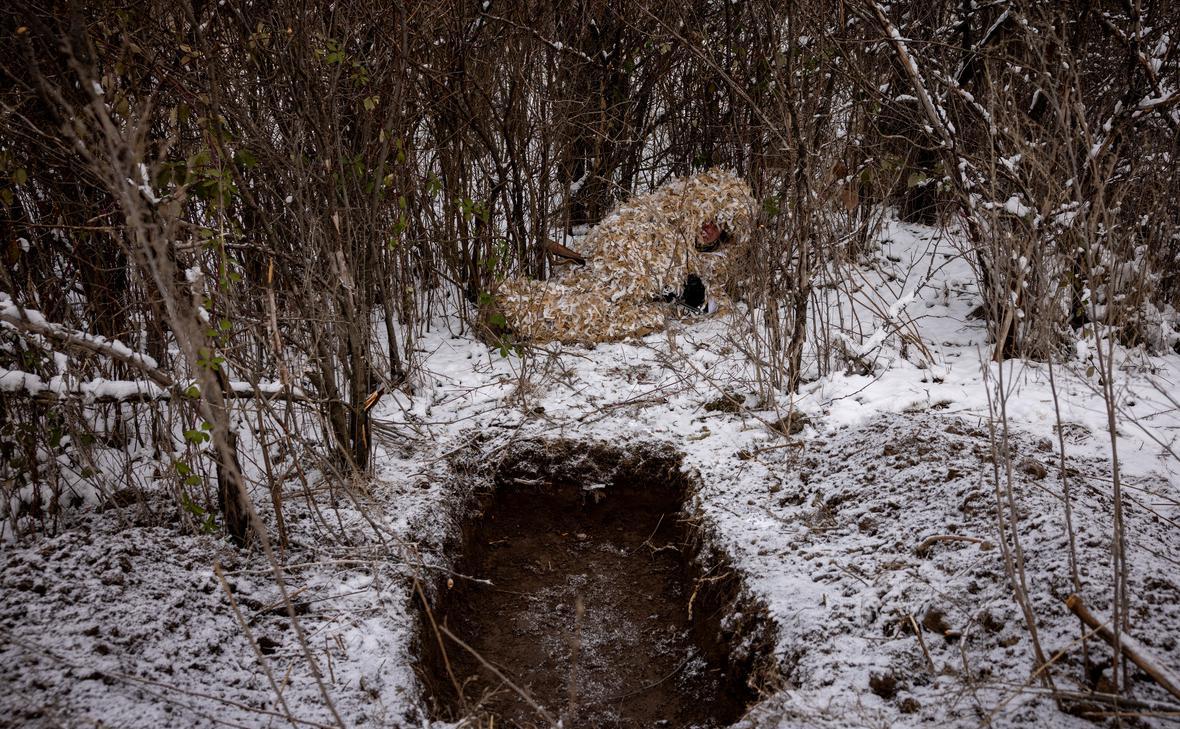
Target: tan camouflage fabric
[(643, 249)]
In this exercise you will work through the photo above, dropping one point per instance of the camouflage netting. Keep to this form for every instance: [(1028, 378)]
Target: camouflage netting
[(643, 249)]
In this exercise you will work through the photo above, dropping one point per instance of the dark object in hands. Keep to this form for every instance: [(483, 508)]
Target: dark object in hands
[(694, 292), (693, 295)]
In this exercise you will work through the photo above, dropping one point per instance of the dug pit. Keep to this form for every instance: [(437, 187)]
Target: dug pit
[(604, 609)]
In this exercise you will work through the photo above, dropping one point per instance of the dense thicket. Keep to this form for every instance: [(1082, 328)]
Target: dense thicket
[(266, 202)]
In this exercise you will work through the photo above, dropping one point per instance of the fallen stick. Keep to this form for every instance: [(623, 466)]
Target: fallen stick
[(1132, 648), (929, 542)]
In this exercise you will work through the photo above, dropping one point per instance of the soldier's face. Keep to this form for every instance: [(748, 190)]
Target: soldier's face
[(709, 233)]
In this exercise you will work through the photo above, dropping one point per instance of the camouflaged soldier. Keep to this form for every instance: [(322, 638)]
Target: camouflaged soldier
[(670, 248)]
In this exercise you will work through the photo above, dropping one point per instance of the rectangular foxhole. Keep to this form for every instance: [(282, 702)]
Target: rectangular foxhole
[(601, 612)]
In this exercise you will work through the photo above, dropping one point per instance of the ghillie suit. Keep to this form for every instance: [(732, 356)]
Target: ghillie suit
[(639, 254)]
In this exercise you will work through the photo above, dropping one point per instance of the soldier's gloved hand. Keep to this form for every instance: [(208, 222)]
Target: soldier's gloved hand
[(694, 292)]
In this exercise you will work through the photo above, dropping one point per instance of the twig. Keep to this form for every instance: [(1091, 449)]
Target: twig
[(438, 637), (647, 542), (696, 588), (507, 681), (930, 541), (1131, 648), (1057, 695), (648, 687), (233, 603), (1119, 702), (921, 642)]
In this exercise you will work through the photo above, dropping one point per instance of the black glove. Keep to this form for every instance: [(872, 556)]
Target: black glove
[(694, 292)]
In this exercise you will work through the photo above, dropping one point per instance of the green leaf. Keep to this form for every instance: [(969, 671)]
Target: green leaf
[(191, 506), (247, 158), (195, 437), (200, 159), (20, 176)]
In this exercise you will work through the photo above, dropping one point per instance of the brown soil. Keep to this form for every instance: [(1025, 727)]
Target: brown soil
[(589, 614)]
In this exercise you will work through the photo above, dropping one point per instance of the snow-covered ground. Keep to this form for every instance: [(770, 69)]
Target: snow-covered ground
[(129, 625)]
